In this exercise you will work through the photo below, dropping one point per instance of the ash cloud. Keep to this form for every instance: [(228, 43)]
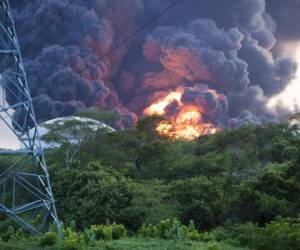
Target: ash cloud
[(232, 47)]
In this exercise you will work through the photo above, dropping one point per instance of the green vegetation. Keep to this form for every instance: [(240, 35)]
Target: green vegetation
[(169, 234), (134, 189), (127, 244)]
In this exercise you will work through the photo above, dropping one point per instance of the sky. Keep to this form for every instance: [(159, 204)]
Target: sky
[(290, 97), (7, 138)]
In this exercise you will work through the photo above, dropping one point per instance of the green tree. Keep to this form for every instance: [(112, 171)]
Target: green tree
[(199, 199), (71, 134), (90, 194)]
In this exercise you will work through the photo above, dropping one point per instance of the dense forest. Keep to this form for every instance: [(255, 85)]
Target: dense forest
[(135, 189)]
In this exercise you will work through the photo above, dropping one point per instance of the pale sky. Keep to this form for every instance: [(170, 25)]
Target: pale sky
[(7, 138), (290, 97)]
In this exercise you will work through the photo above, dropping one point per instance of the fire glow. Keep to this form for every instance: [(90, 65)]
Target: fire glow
[(185, 123)]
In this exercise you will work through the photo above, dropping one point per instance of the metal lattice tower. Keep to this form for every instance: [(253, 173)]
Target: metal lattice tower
[(26, 195)]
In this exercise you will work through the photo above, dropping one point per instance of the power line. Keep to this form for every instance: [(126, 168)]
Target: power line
[(140, 29), (49, 24)]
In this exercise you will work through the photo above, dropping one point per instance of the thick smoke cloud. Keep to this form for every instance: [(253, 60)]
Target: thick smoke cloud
[(201, 51), (215, 106), (227, 46), (64, 68), (286, 13)]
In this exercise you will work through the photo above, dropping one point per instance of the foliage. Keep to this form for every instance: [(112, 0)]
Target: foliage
[(237, 175), (281, 233), (106, 232), (199, 199), (113, 236), (70, 135), (148, 230), (171, 229), (138, 152), (232, 185), (48, 239), (124, 244), (90, 194), (159, 244), (149, 203)]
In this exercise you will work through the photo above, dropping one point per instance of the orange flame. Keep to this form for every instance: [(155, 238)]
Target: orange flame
[(186, 124), (158, 108)]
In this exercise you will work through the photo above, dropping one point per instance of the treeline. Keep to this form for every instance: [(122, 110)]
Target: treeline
[(239, 185)]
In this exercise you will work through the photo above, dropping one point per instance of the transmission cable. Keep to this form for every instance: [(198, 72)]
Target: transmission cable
[(132, 35)]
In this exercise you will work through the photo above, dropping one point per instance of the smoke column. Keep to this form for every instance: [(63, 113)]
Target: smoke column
[(225, 57)]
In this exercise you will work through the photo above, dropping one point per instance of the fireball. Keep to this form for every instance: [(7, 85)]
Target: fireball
[(186, 122)]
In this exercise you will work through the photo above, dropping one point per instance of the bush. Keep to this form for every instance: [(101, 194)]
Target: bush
[(6, 235), (214, 246), (102, 232), (79, 191), (282, 233), (192, 233), (148, 230), (199, 199), (171, 229), (48, 239), (73, 240), (118, 231), (106, 232), (167, 229)]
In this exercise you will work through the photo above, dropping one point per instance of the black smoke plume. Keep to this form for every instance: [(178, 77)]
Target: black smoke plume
[(228, 46)]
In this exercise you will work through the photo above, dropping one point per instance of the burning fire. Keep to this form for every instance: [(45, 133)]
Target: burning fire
[(185, 123)]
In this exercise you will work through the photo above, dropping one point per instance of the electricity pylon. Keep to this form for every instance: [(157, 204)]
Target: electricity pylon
[(26, 195)]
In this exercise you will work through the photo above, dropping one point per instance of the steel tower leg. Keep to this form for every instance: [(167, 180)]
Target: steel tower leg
[(26, 195)]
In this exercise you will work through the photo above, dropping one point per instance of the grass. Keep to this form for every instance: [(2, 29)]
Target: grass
[(130, 244), (158, 244)]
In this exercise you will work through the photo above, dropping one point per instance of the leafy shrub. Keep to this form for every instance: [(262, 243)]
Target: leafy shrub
[(73, 240), (148, 230), (164, 226), (213, 246), (282, 233), (89, 236), (6, 225), (221, 233), (48, 239), (102, 232), (167, 229), (106, 232), (13, 234), (192, 233), (79, 192), (118, 231), (6, 235), (200, 199), (171, 229)]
